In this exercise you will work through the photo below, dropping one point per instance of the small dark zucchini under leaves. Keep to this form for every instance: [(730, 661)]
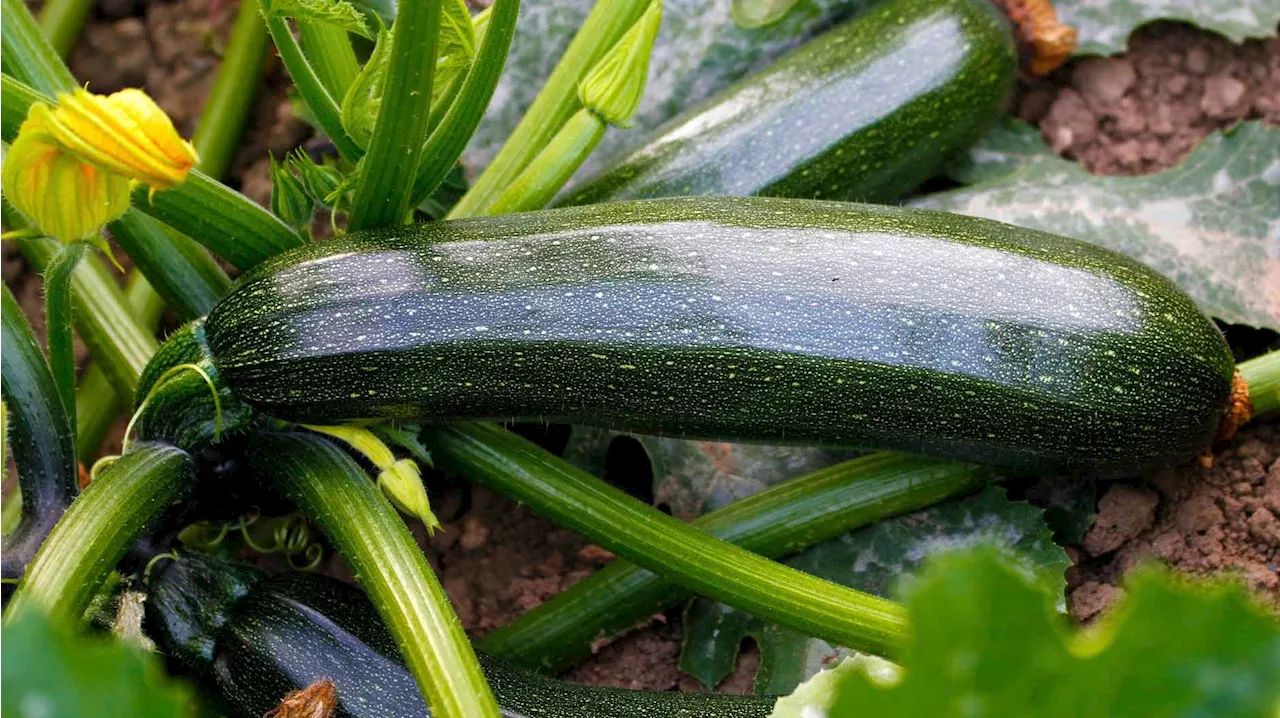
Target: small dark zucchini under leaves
[(255, 639), (733, 319), (865, 112)]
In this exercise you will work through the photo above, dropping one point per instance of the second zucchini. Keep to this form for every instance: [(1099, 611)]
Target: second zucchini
[(865, 112)]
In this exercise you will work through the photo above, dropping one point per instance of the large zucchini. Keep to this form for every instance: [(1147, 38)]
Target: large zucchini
[(750, 319), (254, 639), (865, 112)]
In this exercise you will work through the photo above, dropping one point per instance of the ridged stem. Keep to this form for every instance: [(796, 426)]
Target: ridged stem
[(390, 165), (103, 319), (1263, 375), (700, 562), (321, 104), (98, 528), (607, 22), (39, 433), (328, 49), (57, 312), (782, 519), (62, 22), (28, 57), (97, 402), (231, 99), (361, 523), (450, 136), (553, 167)]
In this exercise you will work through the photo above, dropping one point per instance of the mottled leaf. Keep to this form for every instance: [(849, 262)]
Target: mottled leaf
[(875, 559), (1008, 147), (984, 641), (1211, 224), (49, 672), (694, 477), (1105, 25), (699, 50)]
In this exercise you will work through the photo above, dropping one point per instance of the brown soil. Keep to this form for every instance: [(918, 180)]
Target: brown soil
[(1137, 113)]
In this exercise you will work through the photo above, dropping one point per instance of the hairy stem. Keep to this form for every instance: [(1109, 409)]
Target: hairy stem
[(332, 489)]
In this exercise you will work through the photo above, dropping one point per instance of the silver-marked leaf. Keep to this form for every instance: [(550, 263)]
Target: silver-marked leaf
[(1105, 25), (1211, 224), (699, 50), (877, 559), (1006, 148)]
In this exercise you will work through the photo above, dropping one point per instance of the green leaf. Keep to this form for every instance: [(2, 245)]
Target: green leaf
[(338, 13), (692, 478), (1008, 147), (48, 672), (456, 50), (359, 109), (698, 51), (876, 559), (1208, 224), (985, 641), (1105, 25)]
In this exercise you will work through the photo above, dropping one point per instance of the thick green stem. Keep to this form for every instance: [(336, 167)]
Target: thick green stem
[(553, 167), (400, 132), (57, 312), (782, 519), (1263, 375), (450, 136), (27, 56), (231, 99), (332, 489), (103, 319), (41, 440), (98, 528), (181, 271), (608, 21), (323, 107), (97, 401), (642, 534), (328, 48), (231, 225), (62, 21)]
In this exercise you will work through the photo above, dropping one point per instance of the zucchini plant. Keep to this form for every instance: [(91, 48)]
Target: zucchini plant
[(972, 349)]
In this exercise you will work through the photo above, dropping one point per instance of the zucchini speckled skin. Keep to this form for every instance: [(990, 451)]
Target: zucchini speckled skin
[(254, 639), (865, 112), (747, 319)]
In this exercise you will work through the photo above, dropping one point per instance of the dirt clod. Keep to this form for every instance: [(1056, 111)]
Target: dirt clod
[(1123, 513)]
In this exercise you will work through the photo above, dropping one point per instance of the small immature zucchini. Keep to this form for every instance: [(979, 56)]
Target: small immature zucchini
[(733, 319), (253, 639), (865, 112)]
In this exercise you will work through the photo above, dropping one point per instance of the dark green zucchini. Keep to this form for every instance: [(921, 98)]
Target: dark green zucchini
[(748, 319), (253, 639), (865, 112)]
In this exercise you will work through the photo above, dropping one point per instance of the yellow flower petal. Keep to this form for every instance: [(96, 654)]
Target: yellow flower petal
[(124, 132), (66, 197)]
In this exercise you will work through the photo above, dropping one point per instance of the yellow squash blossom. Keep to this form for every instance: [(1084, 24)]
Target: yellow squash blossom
[(70, 166), (124, 132), (66, 197)]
